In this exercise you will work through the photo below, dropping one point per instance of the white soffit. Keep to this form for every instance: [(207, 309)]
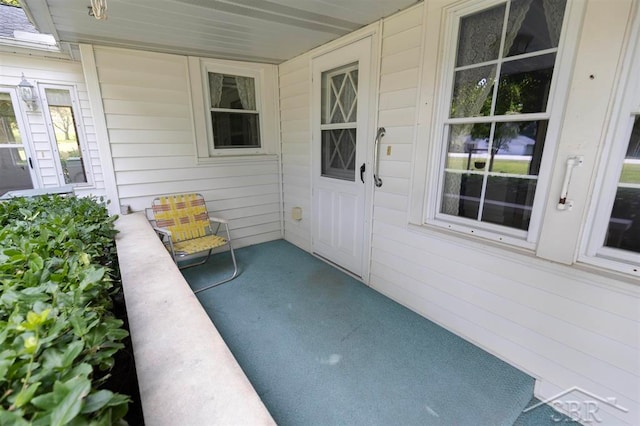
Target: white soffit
[(252, 30)]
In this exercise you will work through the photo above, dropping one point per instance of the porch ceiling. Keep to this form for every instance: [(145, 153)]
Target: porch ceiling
[(269, 31)]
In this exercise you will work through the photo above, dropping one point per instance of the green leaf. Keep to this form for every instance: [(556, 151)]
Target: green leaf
[(72, 351), (35, 262), (45, 401), (31, 344), (52, 358), (96, 401), (11, 418), (25, 395), (71, 395)]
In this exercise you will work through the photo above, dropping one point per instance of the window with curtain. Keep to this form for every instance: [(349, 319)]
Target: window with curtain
[(496, 126), (234, 114)]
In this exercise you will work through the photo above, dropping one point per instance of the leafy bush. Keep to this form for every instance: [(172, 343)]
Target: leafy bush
[(57, 333)]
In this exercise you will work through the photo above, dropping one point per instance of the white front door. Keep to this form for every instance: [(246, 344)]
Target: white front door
[(341, 96), (16, 163)]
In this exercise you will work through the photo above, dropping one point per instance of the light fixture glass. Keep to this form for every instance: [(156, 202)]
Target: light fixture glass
[(28, 94), (98, 9)]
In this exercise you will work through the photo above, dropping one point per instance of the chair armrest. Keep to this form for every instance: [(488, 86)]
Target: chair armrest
[(218, 220)]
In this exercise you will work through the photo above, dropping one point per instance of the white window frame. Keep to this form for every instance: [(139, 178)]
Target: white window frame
[(594, 251), (438, 149), (80, 133), (25, 133), (265, 79)]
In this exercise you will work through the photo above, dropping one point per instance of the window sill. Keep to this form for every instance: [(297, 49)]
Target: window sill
[(609, 266), (236, 159), (474, 238), (516, 239)]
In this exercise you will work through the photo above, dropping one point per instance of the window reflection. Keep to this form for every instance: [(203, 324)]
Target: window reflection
[(624, 224)]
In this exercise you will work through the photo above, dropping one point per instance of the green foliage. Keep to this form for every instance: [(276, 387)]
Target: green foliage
[(57, 334), (15, 3)]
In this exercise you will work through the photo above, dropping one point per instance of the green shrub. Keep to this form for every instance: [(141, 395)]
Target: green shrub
[(57, 333)]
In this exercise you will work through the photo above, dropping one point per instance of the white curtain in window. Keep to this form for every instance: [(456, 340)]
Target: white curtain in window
[(247, 92), (554, 12), (215, 89)]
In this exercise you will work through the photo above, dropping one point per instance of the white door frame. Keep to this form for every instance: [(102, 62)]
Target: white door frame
[(25, 134), (367, 133)]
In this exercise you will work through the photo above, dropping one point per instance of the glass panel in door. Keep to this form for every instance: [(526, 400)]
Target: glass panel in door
[(338, 122), (14, 162), (64, 126)]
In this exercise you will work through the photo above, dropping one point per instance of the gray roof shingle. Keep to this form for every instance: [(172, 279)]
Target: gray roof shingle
[(13, 18)]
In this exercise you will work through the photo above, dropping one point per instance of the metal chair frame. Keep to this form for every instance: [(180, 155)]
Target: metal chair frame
[(213, 228)]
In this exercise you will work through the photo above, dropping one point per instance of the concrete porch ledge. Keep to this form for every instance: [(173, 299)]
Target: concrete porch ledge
[(186, 373)]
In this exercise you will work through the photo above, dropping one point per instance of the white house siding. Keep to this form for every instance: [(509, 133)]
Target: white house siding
[(564, 325), (40, 70), (148, 114), (295, 101)]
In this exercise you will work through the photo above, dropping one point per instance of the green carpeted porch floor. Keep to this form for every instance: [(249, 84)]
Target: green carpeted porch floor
[(321, 348)]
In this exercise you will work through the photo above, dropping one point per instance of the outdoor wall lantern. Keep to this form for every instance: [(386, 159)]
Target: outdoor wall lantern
[(98, 9), (28, 94)]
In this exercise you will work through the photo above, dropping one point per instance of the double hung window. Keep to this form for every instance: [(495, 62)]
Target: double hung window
[(614, 240), (495, 129), (234, 114), (235, 109)]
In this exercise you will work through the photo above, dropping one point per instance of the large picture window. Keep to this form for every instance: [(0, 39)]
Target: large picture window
[(498, 112)]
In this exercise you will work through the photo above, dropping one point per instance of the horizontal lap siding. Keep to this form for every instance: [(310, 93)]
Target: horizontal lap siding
[(564, 327), (62, 72), (149, 120), (295, 101)]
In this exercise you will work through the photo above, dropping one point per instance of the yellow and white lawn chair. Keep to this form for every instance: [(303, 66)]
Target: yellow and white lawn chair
[(185, 227)]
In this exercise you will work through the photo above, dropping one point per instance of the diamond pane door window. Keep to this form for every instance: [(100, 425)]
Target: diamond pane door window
[(338, 122), (498, 111)]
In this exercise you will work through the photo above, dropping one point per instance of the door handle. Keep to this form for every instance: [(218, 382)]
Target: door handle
[(30, 163), (362, 169), (379, 135)]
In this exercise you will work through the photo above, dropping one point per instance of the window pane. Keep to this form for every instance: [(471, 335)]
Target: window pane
[(339, 153), (631, 164), (235, 130), (340, 95), (232, 92), (473, 92), (508, 201), (479, 36), (468, 146), (524, 85), (517, 147), (624, 226), (533, 26), (9, 132), (462, 194), (14, 170), (64, 127)]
